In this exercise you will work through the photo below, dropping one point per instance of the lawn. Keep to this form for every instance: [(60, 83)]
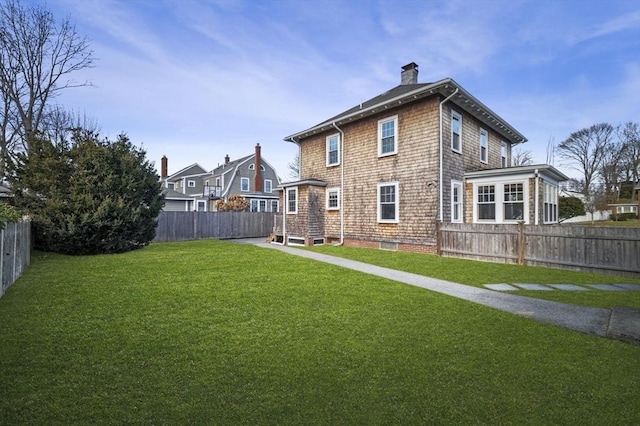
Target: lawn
[(210, 332), (478, 273)]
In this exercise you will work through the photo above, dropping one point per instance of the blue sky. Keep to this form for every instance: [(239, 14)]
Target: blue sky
[(198, 79)]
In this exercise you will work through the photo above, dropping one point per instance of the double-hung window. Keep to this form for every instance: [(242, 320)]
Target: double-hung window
[(503, 155), (513, 201), (456, 201), (486, 202), (333, 150), (550, 203), (388, 136), (267, 186), (456, 131), (254, 205), (333, 199), (244, 184), (292, 200), (388, 202), (484, 138)]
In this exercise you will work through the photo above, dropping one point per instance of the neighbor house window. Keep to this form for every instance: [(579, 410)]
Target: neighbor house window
[(267, 186), (333, 199), (274, 206), (244, 184), (550, 203), (513, 201), (456, 201), (201, 206), (217, 181), (503, 155), (191, 183), (254, 205), (484, 137), (171, 185), (486, 202), (292, 201), (388, 205), (263, 205), (388, 136), (333, 150), (456, 131)]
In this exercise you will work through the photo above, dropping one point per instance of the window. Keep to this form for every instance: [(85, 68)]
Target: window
[(484, 137), (333, 150), (244, 184), (456, 202), (171, 185), (388, 205), (333, 199), (218, 181), (254, 205), (456, 131), (503, 154), (388, 136), (252, 166), (292, 200), (550, 203), (201, 206), (267, 186), (513, 201), (262, 205), (486, 202), (191, 183), (274, 206)]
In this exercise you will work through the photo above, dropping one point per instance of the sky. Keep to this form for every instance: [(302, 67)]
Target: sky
[(196, 80)]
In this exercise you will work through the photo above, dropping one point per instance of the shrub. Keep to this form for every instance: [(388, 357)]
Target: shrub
[(621, 217), (8, 213)]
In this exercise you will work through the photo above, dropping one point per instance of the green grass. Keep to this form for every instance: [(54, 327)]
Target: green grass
[(477, 273), (631, 223), (210, 332)]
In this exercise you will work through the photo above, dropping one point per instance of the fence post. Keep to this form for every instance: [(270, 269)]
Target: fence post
[(521, 243)]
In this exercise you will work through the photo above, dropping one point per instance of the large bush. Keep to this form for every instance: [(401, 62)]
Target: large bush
[(569, 207), (88, 196)]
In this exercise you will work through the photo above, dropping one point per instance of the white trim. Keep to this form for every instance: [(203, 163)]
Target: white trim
[(328, 140), (270, 186), (460, 204), (394, 119), (396, 186), (484, 133), (456, 115), (242, 181), (498, 185), (191, 183), (199, 203), (287, 210), (329, 191)]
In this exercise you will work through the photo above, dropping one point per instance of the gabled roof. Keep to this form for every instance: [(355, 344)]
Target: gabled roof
[(192, 170), (406, 93), (170, 194), (220, 170)]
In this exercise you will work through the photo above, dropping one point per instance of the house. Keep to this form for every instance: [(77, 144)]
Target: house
[(194, 188), (622, 208), (384, 172)]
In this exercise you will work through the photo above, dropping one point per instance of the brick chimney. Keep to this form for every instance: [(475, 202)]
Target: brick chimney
[(164, 167), (409, 74), (257, 179), (226, 159)]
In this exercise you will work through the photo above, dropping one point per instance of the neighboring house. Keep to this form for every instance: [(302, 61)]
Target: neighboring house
[(588, 216), (194, 188), (382, 173), (6, 195), (621, 208)]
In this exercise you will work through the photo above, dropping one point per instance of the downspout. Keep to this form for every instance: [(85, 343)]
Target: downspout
[(341, 184), (442, 156), (537, 202)]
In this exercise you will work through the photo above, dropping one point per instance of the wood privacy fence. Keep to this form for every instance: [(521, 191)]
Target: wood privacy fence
[(181, 226), (15, 247), (583, 248)]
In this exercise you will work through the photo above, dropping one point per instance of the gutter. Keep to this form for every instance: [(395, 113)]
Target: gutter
[(441, 201), (341, 200)]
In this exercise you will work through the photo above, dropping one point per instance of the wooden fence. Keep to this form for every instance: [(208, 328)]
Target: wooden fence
[(589, 249), (15, 248), (181, 226)]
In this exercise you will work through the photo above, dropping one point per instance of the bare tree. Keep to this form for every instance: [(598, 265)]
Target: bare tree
[(629, 137), (37, 56), (521, 157), (294, 167), (585, 151), (551, 151)]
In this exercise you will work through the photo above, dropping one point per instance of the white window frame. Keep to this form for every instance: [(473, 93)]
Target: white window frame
[(381, 123), (268, 186), (396, 218), (550, 204), (244, 180), (455, 115), (484, 146), (499, 194), (335, 137), (254, 205), (477, 202), (505, 202), (287, 200), (275, 203), (202, 203), (457, 205), (335, 191), (503, 155), (191, 183)]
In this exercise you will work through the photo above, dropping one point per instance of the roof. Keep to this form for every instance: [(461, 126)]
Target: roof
[(230, 165), (310, 182), (170, 194), (406, 93), (192, 170), (545, 169)]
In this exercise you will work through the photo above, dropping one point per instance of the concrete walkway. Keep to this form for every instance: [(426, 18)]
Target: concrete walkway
[(617, 323)]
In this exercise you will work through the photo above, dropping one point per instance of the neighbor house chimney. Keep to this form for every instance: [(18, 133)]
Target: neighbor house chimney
[(257, 179), (164, 167), (409, 74), (226, 159)]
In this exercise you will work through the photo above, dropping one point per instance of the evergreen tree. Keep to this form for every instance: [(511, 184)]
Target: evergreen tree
[(89, 196), (569, 207)]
